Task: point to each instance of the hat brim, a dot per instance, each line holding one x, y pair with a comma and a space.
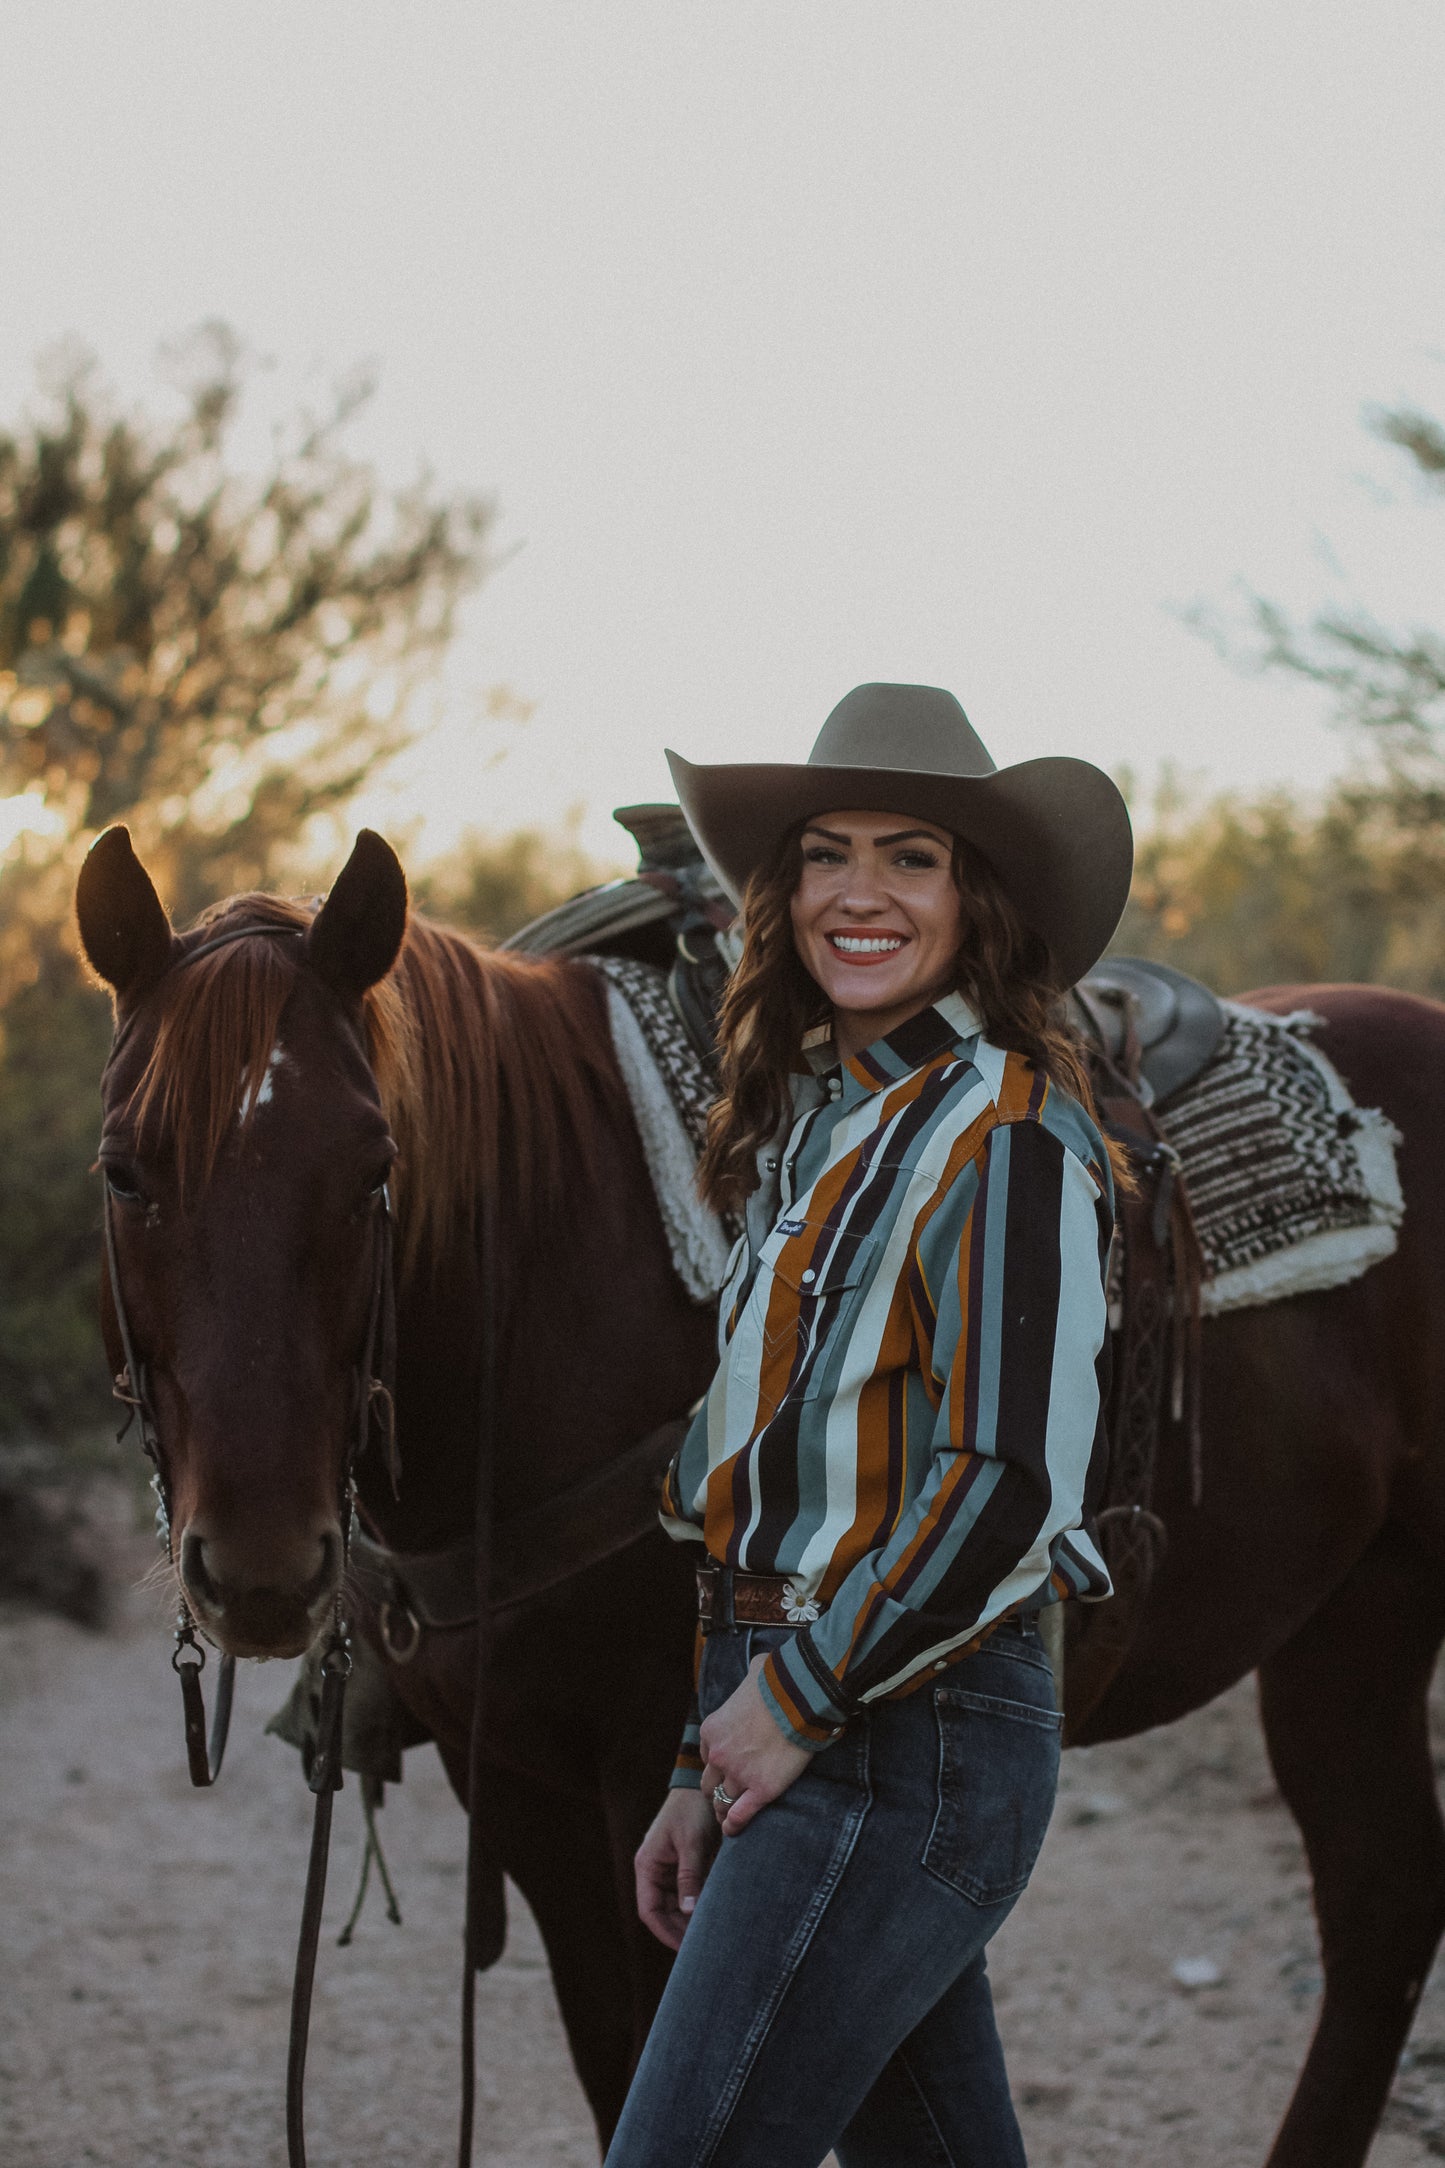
1055, 830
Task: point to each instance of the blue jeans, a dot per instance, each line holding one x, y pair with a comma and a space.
831, 1989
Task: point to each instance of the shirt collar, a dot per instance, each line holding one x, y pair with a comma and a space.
898, 1053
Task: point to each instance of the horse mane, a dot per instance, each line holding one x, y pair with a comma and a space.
494, 1070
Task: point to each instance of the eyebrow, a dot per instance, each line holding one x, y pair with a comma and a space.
901, 835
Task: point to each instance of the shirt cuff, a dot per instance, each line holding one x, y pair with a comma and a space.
687, 1771
801, 1696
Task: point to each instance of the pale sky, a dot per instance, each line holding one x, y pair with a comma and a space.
799, 344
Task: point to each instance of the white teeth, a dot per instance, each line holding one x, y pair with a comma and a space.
862, 944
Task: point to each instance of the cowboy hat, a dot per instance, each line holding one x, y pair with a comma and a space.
1056, 831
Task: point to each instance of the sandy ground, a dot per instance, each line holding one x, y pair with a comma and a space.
147, 1935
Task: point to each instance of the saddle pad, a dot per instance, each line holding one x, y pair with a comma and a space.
1292, 1186
670, 1091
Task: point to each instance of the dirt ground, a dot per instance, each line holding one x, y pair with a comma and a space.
147, 1935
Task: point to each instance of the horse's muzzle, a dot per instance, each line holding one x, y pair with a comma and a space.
267, 1606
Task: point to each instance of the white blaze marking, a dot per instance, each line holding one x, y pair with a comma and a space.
267, 1089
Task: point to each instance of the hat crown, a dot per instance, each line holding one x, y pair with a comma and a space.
909, 727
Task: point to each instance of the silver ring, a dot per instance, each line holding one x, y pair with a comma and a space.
723, 1799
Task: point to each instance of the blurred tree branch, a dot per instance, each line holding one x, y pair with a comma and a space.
213, 658
1278, 890
1389, 685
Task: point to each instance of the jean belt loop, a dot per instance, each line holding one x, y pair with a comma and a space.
725, 1614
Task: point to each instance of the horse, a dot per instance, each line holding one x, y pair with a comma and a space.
274, 1070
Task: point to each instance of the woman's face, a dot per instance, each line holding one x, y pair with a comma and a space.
877, 919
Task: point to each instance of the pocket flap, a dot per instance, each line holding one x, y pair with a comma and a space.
814, 1259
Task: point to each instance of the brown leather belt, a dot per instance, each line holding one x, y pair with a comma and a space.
727, 1598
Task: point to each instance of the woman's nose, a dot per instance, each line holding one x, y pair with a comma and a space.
862, 896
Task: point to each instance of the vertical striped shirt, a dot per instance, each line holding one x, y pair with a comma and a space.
908, 1417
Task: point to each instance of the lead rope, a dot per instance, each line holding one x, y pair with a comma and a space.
325, 1781
324, 1775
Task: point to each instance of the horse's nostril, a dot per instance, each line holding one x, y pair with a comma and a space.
328, 1573
193, 1568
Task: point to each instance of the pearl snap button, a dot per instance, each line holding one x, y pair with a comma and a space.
941, 1665
809, 1275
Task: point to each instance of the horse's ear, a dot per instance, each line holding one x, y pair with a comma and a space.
123, 926
355, 936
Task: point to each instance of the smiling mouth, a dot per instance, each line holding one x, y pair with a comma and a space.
866, 948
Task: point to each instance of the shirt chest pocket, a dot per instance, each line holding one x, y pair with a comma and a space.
811, 1284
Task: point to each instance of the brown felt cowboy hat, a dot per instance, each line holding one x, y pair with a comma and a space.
1056, 831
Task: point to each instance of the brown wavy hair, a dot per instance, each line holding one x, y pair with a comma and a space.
771, 1000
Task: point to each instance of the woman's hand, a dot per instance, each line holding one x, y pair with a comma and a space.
745, 1752
671, 1863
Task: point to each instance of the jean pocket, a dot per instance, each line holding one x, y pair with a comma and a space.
998, 1768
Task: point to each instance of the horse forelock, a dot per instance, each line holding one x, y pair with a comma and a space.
218, 1027
493, 1070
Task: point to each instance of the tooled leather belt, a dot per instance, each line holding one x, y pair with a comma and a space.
727, 1598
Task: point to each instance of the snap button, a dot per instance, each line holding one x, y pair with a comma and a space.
941, 1665
809, 1275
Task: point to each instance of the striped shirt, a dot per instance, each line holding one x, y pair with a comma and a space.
908, 1417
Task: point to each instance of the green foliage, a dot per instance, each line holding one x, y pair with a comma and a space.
52, 1374
1269, 893
216, 659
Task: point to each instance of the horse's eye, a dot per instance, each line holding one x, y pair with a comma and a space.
123, 1182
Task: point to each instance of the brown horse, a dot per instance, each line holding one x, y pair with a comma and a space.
246, 1142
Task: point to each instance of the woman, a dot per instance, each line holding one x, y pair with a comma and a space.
894, 1469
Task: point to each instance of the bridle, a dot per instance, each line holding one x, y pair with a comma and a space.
373, 1378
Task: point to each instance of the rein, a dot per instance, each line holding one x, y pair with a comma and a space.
482, 1943
373, 1380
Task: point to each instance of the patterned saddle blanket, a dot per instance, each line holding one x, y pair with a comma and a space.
670, 1089
1292, 1186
